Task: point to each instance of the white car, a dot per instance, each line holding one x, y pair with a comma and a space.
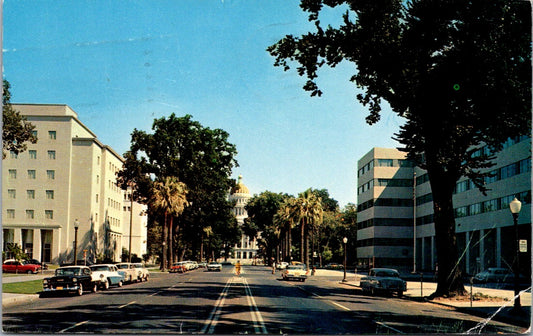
142, 272
107, 274
214, 266
282, 265
129, 270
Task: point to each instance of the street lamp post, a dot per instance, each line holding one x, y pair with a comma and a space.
515, 207
76, 226
344, 240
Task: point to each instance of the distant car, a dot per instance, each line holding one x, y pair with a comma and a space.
178, 267
295, 272
282, 265
202, 264
334, 266
142, 272
36, 262
74, 279
214, 266
385, 280
20, 267
129, 270
494, 274
108, 275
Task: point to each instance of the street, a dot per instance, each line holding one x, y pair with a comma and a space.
256, 302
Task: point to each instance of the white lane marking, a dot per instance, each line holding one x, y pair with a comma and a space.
127, 304
74, 326
389, 327
321, 298
212, 321
339, 305
256, 315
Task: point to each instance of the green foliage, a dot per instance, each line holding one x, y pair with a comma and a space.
24, 287
16, 130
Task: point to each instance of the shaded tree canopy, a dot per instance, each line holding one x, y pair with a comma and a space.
16, 130
458, 71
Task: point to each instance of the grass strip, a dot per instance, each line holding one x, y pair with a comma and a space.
25, 287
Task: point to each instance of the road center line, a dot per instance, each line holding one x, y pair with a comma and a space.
256, 315
127, 304
339, 305
74, 326
212, 321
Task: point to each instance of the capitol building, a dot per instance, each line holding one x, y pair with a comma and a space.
246, 250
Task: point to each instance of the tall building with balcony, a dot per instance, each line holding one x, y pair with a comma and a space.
389, 236
66, 179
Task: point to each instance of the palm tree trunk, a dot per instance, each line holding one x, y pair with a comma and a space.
165, 238
170, 239
302, 241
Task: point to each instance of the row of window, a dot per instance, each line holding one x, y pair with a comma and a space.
33, 154
492, 205
384, 163
384, 222
244, 255
30, 194
385, 242
383, 182
31, 174
30, 214
389, 202
52, 135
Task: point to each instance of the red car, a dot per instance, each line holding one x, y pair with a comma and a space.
178, 267
18, 267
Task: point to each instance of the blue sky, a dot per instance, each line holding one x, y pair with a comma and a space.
120, 64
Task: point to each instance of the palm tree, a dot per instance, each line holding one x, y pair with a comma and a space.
170, 197
308, 210
285, 220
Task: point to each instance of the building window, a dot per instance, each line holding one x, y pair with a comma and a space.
11, 213
11, 193
52, 135
30, 194
52, 154
385, 163
96, 198
30, 214
51, 174
49, 194
49, 214
13, 155
12, 174
33, 154
31, 174
34, 133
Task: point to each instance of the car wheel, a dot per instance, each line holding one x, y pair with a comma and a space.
119, 283
29, 272
80, 290
400, 294
95, 288
106, 284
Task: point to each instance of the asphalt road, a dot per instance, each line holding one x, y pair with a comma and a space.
256, 302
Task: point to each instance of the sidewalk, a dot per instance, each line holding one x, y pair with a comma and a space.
9, 299
498, 307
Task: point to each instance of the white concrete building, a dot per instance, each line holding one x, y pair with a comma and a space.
484, 225
246, 249
67, 177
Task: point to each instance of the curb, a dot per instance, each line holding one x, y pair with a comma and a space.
17, 299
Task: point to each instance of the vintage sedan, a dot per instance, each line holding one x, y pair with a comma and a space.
178, 267
142, 272
20, 267
108, 275
214, 266
129, 270
386, 280
295, 272
70, 279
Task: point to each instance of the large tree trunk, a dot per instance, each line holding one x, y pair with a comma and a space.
165, 239
449, 277
170, 239
302, 241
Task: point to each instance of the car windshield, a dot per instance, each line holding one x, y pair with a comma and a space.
68, 271
389, 274
99, 268
123, 266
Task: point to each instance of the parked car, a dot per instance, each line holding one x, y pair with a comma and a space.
129, 270
214, 266
74, 279
494, 274
295, 272
36, 262
178, 267
142, 272
385, 280
203, 264
282, 265
20, 267
108, 275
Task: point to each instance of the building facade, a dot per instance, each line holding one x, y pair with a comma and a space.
66, 179
245, 251
484, 225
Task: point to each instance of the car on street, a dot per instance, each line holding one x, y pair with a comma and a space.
108, 275
129, 270
494, 274
16, 266
282, 265
36, 262
214, 266
385, 280
178, 267
142, 272
295, 272
70, 279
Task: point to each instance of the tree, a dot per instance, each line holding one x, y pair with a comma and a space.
16, 130
308, 211
458, 71
170, 196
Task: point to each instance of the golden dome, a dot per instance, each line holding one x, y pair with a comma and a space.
240, 188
